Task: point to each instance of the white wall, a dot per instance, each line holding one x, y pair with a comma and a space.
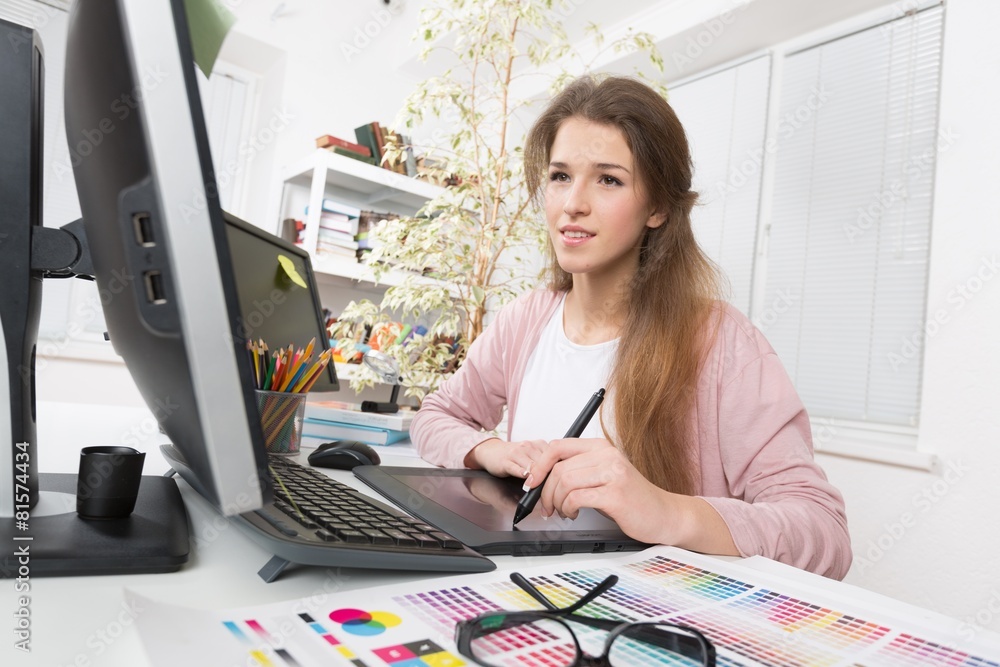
934, 538
930, 538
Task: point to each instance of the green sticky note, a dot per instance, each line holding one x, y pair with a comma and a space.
208, 22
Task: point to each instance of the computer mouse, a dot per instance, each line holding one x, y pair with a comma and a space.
343, 455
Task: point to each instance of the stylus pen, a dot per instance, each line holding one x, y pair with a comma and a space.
529, 499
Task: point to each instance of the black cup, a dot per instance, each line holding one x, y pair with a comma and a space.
108, 482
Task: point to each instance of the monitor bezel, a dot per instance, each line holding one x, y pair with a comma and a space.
196, 324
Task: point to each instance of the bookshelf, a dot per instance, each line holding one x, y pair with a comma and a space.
326, 174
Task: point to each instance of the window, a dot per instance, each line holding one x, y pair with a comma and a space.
724, 116
844, 168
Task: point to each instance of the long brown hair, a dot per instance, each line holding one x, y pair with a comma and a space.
667, 327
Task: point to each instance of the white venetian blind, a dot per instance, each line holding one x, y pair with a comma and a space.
724, 115
850, 225
224, 100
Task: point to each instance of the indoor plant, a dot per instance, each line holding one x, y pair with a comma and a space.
478, 244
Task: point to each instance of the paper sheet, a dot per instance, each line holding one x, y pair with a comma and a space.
754, 618
208, 22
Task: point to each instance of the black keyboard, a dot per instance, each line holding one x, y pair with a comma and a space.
315, 520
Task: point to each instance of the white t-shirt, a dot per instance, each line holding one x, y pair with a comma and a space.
560, 378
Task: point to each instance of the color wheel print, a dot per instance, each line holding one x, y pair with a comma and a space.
364, 623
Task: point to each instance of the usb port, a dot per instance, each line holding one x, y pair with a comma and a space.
154, 287
143, 224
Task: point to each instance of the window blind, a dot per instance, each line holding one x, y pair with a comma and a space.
224, 99
725, 116
851, 216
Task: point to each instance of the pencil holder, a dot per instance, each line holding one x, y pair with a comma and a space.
281, 415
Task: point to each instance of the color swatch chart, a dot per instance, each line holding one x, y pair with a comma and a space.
755, 618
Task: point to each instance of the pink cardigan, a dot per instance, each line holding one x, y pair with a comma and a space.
754, 441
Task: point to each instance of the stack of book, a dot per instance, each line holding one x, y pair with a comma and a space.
334, 420
338, 229
344, 230
375, 137
346, 148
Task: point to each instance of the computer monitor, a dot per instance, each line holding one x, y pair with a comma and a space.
21, 87
159, 241
183, 285
276, 288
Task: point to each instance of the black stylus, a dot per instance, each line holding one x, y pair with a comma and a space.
529, 499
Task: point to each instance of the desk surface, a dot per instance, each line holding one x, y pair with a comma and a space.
84, 621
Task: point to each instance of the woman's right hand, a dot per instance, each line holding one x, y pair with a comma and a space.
505, 459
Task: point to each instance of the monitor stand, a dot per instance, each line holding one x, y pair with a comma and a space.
154, 538
38, 519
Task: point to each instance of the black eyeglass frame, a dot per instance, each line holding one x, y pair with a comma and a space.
689, 642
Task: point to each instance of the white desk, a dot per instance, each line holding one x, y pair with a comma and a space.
83, 621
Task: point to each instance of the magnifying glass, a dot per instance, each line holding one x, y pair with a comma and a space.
387, 368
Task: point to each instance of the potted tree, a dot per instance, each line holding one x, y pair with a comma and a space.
478, 244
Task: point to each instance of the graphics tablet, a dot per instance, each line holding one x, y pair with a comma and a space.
478, 510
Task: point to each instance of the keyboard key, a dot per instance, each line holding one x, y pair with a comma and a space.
401, 538
447, 541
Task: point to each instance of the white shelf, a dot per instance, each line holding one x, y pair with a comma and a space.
324, 174
375, 186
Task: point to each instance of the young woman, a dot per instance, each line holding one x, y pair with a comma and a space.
702, 442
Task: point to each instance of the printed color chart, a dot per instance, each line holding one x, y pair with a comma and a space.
754, 618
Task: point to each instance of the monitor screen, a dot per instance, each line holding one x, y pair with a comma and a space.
276, 288
162, 256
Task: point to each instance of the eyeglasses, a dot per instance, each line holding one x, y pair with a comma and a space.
488, 638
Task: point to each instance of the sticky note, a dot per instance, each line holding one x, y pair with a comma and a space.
288, 266
208, 22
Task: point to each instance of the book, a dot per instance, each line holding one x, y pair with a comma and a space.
366, 222
345, 239
365, 134
328, 237
335, 250
329, 141
411, 160
399, 166
338, 222
379, 142
339, 411
351, 154
334, 206
319, 429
